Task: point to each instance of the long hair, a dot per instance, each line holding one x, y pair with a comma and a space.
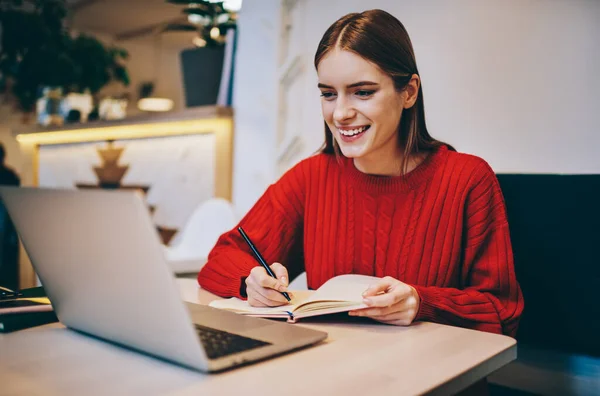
380, 38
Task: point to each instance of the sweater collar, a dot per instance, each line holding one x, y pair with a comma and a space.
390, 184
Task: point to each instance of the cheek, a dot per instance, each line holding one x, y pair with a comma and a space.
327, 108
386, 113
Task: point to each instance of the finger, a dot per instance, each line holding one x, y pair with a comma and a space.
403, 318
256, 294
269, 296
395, 294
393, 297
261, 278
371, 312
398, 318
256, 300
273, 296
268, 282
381, 286
280, 272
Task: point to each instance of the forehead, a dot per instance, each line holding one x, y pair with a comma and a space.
345, 67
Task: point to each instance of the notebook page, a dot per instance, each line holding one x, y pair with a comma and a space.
343, 288
241, 306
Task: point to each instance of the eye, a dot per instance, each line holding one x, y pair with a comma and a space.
328, 95
363, 93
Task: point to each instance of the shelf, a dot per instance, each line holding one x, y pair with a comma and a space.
206, 119
194, 113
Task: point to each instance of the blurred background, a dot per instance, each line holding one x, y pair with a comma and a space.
200, 105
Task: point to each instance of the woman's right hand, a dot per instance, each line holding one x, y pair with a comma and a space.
264, 290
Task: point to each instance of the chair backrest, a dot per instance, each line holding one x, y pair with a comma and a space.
554, 223
210, 219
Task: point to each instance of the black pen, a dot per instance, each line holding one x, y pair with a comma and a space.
260, 259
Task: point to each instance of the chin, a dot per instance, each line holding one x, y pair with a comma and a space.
351, 151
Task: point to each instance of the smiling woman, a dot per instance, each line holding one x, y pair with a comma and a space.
365, 84
382, 198
362, 110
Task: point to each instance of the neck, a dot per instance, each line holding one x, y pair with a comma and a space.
387, 161
384, 161
379, 164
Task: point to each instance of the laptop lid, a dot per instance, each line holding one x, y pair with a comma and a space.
100, 260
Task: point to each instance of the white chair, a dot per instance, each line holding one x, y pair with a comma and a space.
199, 235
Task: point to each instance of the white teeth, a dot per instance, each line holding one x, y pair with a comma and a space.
352, 132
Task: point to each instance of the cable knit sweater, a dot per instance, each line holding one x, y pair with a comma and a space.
442, 229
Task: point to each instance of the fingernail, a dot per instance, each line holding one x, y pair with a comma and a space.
367, 301
284, 280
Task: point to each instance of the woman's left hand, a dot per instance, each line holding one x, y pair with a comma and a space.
390, 301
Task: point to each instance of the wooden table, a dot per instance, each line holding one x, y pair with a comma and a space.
359, 357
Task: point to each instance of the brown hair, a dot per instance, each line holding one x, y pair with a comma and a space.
380, 38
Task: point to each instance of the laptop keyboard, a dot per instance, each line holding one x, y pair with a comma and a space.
218, 343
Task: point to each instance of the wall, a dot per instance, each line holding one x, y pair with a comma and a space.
151, 58
512, 81
255, 101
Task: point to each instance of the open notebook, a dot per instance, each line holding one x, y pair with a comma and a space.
339, 294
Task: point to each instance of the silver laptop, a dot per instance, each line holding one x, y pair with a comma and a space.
100, 261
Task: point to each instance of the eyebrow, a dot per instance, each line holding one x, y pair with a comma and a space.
357, 84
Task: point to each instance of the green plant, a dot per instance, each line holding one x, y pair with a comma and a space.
204, 16
95, 65
32, 48
36, 50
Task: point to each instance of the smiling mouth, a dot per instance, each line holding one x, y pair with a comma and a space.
353, 132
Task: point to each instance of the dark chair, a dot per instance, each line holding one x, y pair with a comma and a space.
555, 232
554, 223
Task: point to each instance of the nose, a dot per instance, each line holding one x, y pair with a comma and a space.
343, 110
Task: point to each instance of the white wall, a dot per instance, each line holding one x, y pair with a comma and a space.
255, 101
151, 58
515, 82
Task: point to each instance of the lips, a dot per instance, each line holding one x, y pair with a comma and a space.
349, 134
353, 131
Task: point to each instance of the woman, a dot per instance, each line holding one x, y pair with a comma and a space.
383, 198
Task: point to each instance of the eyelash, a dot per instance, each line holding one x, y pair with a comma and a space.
363, 93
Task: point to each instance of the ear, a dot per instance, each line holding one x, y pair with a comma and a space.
412, 91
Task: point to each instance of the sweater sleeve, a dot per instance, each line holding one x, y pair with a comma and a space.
274, 224
490, 299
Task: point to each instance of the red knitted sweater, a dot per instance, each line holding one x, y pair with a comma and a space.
441, 228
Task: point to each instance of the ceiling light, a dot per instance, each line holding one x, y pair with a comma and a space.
230, 5
198, 19
222, 18
199, 41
